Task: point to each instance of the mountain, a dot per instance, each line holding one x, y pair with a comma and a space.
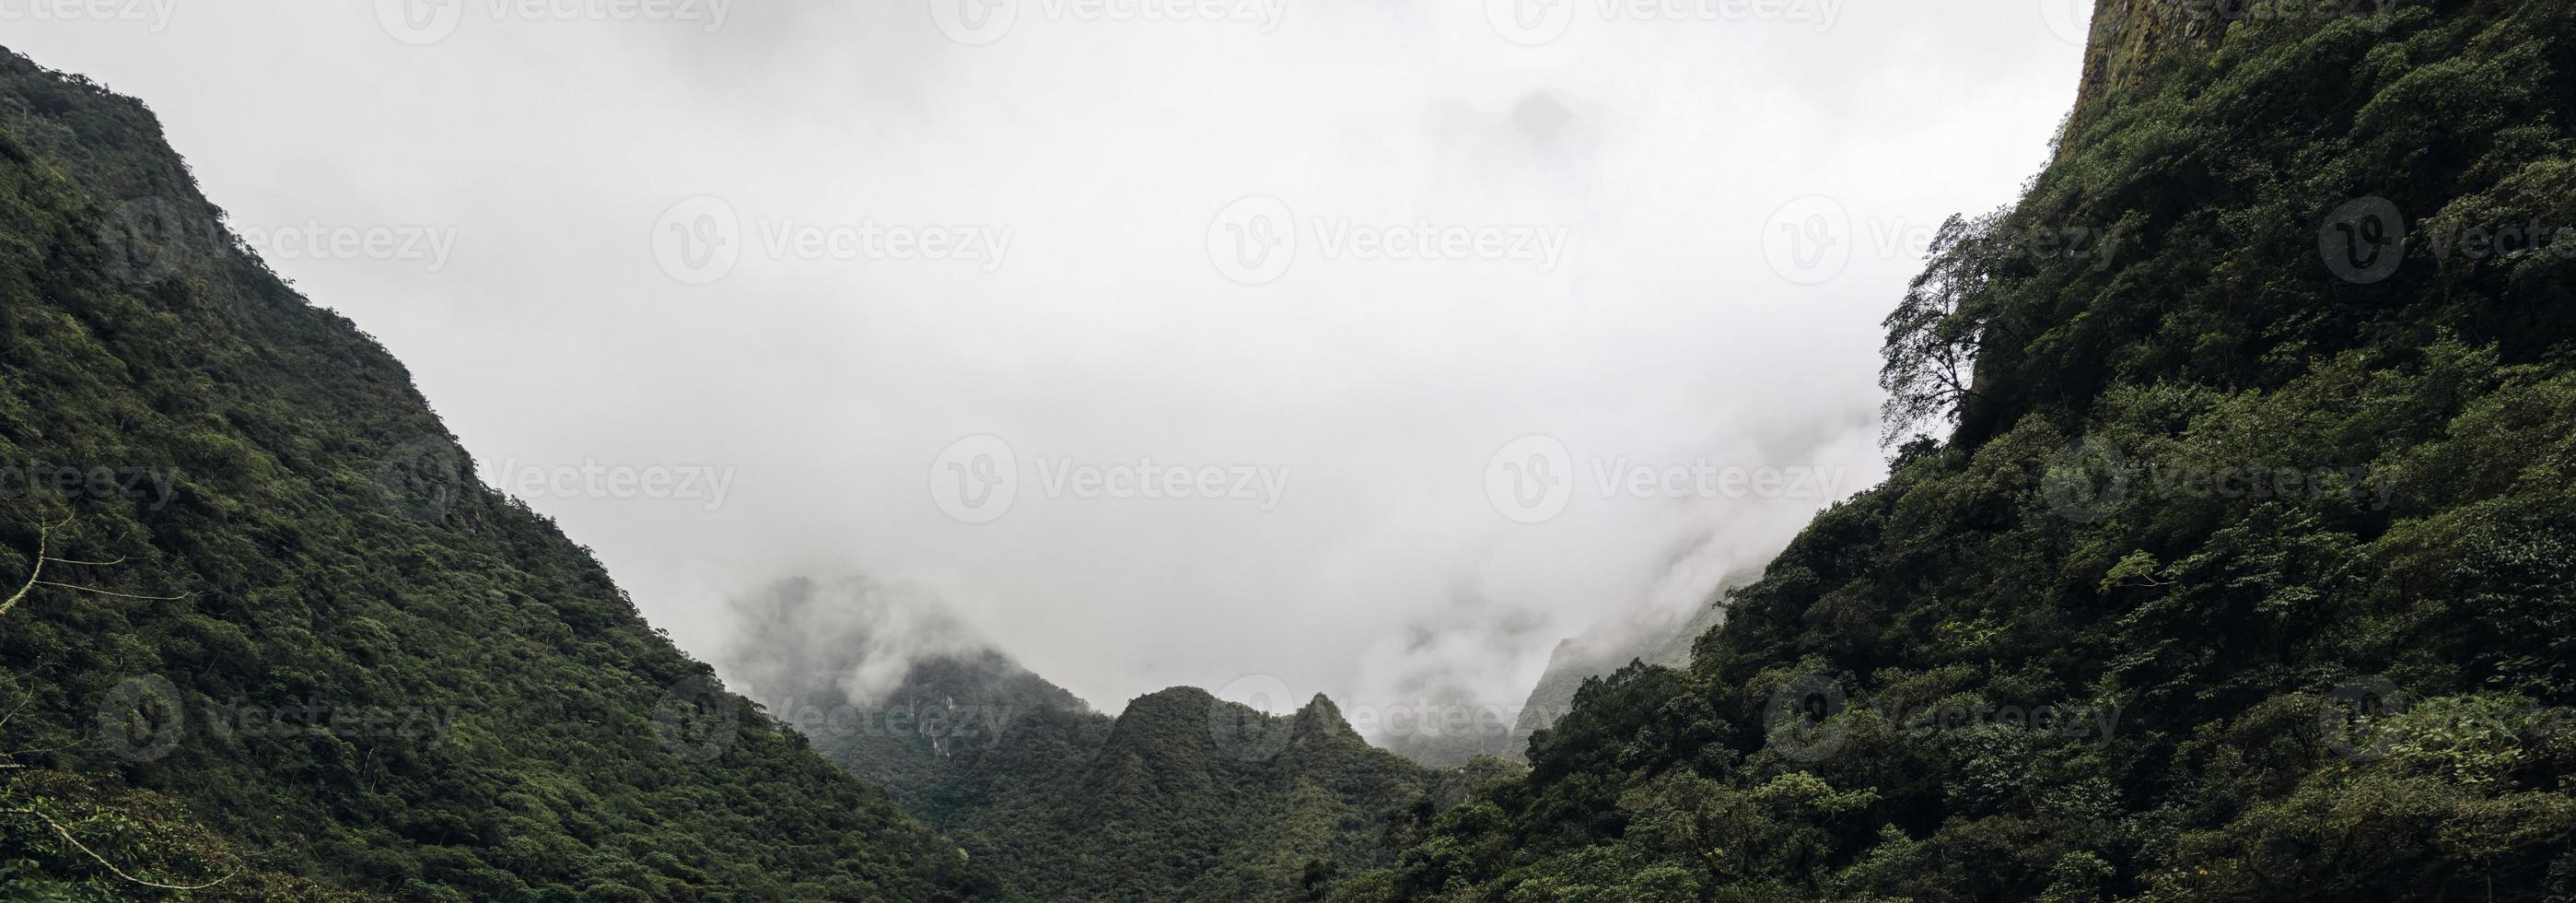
265, 630
2229, 552
883, 680
1182, 796
1186, 797
1655, 638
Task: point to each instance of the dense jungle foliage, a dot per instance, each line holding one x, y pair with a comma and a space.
2231, 556
284, 642
1182, 796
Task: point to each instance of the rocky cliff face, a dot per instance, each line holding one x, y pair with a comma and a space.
2131, 36
2128, 35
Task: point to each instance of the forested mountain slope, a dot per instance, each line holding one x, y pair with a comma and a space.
1181, 797
1184, 797
1581, 659
883, 680
2246, 566
287, 633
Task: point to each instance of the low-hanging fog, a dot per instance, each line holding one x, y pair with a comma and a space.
1661, 239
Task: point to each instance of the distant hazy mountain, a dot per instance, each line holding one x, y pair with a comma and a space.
1182, 796
883, 680
1187, 797
1658, 638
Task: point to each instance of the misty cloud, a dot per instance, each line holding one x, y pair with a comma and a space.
1664, 333
854, 635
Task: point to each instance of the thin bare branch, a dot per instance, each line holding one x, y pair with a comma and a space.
102, 860
43, 535
92, 589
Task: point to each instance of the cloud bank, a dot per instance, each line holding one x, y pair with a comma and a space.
1532, 315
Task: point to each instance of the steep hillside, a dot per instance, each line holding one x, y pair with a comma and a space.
1601, 653
2246, 569
1182, 797
1185, 797
264, 623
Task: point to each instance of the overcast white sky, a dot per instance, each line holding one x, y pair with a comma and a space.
1621, 264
